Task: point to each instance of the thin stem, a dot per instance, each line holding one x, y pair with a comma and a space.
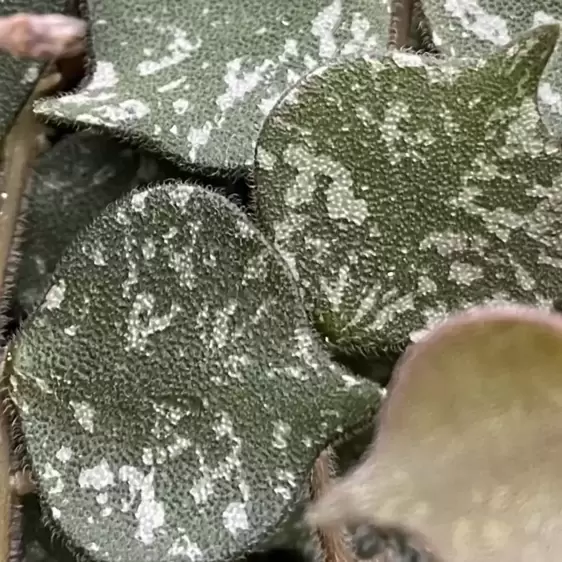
332, 541
20, 150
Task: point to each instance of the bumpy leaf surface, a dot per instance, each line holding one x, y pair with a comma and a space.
468, 446
469, 28
197, 78
173, 396
19, 76
401, 189
72, 183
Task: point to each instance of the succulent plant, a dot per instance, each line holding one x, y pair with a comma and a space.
221, 224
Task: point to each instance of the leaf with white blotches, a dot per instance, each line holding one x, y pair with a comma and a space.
467, 450
173, 398
391, 212
198, 85
72, 183
468, 28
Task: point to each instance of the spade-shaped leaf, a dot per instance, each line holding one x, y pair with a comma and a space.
400, 189
197, 78
172, 395
476, 28
71, 184
468, 446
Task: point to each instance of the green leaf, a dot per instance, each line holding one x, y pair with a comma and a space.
476, 28
467, 451
173, 397
393, 212
195, 79
19, 76
72, 183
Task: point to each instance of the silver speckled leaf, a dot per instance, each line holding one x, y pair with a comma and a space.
172, 394
468, 450
71, 184
197, 78
404, 188
473, 28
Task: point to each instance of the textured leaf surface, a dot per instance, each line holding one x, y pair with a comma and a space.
469, 28
201, 81
468, 449
392, 212
173, 397
18, 75
72, 183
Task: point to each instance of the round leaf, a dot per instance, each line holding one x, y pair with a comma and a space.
173, 397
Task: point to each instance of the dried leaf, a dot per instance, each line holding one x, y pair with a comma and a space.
42, 36
467, 452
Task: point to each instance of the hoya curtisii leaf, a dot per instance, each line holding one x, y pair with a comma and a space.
467, 451
468, 28
72, 183
173, 397
195, 79
392, 212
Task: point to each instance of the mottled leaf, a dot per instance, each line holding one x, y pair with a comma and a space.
391, 211
173, 397
469, 28
467, 451
197, 78
71, 184
20, 75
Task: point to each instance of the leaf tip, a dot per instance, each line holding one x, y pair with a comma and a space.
525, 58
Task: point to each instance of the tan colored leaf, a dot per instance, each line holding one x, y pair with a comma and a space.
468, 450
42, 36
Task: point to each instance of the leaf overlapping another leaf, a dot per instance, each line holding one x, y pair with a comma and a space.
475, 29
71, 184
199, 83
393, 212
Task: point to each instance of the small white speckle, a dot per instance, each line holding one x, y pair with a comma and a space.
64, 454
55, 296
323, 27
281, 431
150, 513
98, 478
235, 518
84, 415
138, 201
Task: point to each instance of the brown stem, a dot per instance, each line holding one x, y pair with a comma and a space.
332, 541
42, 36
21, 147
5, 495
